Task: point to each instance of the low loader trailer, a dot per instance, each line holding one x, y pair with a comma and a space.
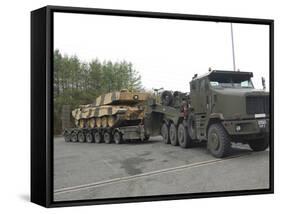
106, 135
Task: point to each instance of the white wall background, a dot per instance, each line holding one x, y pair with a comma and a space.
15, 106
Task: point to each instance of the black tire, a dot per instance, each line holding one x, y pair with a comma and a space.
97, 137
74, 137
218, 141
89, 138
165, 133
191, 126
173, 134
117, 137
166, 98
177, 93
67, 137
146, 138
183, 137
107, 137
81, 137
259, 144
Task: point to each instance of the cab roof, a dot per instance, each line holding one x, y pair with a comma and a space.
222, 72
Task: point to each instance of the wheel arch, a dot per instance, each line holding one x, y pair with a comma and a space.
212, 121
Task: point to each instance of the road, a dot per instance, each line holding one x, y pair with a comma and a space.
94, 171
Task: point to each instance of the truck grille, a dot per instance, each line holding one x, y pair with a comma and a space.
257, 104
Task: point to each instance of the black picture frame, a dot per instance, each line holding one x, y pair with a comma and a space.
42, 103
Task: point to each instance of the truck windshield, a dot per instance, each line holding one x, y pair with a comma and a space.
231, 82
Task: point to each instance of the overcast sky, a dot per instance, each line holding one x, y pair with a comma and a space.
166, 53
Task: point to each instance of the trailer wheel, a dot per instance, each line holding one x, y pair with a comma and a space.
165, 133
81, 137
97, 137
183, 137
218, 141
146, 138
166, 98
117, 137
259, 144
173, 135
89, 138
67, 137
107, 137
74, 137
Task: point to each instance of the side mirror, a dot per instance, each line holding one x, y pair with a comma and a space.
263, 83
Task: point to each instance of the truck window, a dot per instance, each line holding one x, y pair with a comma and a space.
246, 84
231, 81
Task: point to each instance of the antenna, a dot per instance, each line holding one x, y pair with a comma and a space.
232, 41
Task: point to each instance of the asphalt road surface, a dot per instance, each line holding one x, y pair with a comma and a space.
94, 171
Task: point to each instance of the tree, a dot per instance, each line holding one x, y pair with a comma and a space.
77, 82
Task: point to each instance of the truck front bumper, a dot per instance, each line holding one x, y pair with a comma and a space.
254, 127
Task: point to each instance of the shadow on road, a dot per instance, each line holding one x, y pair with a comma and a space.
139, 142
239, 151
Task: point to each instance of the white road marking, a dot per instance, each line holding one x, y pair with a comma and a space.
127, 178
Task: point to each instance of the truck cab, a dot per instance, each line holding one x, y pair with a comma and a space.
225, 106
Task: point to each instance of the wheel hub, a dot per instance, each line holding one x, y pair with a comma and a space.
107, 138
97, 137
214, 141
116, 137
89, 137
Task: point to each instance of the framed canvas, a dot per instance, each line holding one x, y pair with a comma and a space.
133, 106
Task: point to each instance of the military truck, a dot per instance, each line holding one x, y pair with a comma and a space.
221, 107
115, 116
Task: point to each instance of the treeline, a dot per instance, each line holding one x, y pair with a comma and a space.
77, 82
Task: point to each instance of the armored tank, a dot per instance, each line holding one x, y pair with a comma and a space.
108, 115
111, 110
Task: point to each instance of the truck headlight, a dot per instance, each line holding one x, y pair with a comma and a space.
238, 128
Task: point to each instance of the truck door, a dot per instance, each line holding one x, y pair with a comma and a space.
194, 95
202, 99
208, 97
